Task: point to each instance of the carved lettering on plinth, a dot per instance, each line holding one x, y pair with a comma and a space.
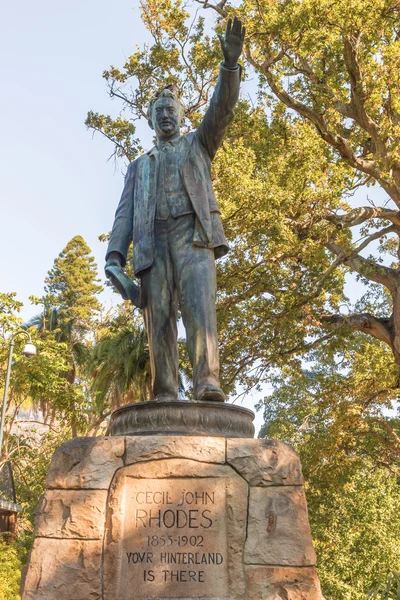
174, 541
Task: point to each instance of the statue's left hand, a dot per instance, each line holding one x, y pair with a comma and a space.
232, 43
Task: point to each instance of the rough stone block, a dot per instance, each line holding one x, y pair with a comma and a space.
86, 463
165, 517
64, 569
71, 514
203, 449
282, 583
278, 528
264, 462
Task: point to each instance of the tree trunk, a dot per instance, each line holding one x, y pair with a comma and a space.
395, 327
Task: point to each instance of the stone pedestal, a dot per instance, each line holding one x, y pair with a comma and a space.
164, 517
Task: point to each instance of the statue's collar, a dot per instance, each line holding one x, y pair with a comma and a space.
176, 140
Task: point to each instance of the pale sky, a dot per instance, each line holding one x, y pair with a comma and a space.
55, 178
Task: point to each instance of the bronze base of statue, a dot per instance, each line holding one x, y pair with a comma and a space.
182, 418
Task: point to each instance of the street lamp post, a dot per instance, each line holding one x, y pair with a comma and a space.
28, 350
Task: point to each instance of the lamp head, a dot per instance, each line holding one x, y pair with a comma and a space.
29, 350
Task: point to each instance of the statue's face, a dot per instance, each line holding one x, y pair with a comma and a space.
166, 117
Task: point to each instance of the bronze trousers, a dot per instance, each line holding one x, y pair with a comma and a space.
181, 276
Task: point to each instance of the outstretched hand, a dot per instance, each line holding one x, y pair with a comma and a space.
232, 43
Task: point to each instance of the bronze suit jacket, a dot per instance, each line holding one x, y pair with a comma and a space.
134, 218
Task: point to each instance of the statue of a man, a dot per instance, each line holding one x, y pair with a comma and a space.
168, 208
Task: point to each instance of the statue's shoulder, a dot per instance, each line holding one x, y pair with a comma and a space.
189, 138
186, 141
141, 158
134, 164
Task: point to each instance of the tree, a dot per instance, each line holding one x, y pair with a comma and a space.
70, 306
334, 410
72, 286
119, 364
337, 67
356, 532
35, 382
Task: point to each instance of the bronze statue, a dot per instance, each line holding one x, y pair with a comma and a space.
168, 208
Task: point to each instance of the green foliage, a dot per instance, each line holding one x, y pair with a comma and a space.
10, 572
71, 287
335, 413
277, 282
356, 528
9, 309
31, 451
119, 364
70, 308
387, 590
324, 122
336, 65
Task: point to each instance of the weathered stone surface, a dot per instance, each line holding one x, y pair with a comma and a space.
265, 462
86, 463
172, 525
64, 570
182, 536
278, 528
148, 447
282, 583
71, 514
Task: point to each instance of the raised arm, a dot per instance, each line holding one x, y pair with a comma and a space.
219, 114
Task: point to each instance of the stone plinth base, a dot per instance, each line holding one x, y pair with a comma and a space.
167, 517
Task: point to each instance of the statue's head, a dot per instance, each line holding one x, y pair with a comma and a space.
165, 113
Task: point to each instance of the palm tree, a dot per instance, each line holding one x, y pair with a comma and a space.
119, 367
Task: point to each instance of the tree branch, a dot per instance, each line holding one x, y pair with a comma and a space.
335, 140
219, 8
362, 214
344, 109
375, 236
358, 95
376, 395
388, 428
369, 167
367, 268
365, 322
117, 144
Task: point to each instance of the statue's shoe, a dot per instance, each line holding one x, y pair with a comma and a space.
210, 393
166, 398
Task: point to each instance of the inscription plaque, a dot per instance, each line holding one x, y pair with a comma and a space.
175, 538
175, 529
